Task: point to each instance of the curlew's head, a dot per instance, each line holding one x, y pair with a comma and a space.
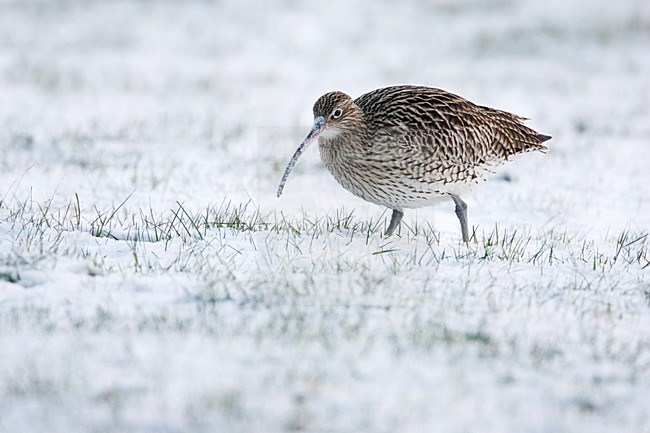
335, 113
338, 112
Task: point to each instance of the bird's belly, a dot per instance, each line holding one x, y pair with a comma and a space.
392, 188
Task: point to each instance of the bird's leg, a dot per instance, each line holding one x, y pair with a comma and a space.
395, 219
461, 213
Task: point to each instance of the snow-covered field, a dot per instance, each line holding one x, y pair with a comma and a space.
150, 280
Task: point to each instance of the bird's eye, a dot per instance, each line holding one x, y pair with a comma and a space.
337, 113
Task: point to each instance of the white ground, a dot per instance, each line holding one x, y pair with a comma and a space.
150, 281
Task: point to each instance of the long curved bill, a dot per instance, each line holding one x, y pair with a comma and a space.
317, 128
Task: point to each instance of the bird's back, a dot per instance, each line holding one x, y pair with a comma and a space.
442, 136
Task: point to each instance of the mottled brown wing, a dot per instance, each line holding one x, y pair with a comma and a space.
434, 132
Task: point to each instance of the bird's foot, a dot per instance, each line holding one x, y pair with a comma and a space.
395, 219
461, 213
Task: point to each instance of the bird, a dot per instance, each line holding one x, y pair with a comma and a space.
410, 146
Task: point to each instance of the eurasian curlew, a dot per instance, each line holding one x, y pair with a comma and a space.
412, 146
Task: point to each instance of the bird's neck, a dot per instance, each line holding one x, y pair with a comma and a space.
339, 151
344, 141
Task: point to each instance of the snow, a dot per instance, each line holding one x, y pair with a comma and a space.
151, 280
